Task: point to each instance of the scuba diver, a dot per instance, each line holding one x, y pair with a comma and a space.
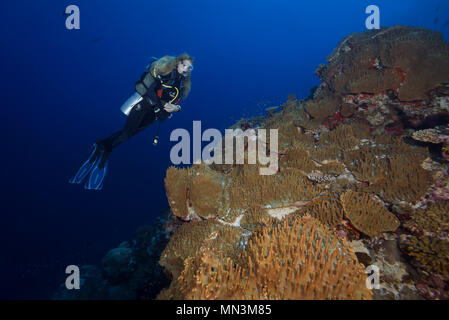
158, 91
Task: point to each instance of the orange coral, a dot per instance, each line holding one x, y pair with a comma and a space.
433, 220
366, 214
343, 137
323, 108
176, 186
404, 179
192, 236
299, 159
366, 163
295, 259
206, 195
327, 209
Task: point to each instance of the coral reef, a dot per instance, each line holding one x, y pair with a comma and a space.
327, 210
190, 237
128, 272
434, 220
362, 181
296, 259
411, 61
430, 252
358, 155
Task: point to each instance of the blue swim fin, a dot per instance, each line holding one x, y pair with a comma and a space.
85, 168
97, 175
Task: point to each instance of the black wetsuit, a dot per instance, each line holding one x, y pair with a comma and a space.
144, 113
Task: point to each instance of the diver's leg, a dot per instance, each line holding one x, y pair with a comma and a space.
132, 126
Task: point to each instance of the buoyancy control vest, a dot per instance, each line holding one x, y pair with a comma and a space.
168, 85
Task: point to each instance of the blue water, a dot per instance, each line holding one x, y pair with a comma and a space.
61, 89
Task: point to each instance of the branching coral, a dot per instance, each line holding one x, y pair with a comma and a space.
430, 252
191, 236
323, 153
342, 137
434, 220
293, 186
253, 218
333, 168
185, 243
327, 209
404, 180
366, 163
299, 159
366, 214
296, 259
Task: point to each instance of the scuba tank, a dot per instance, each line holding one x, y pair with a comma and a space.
136, 97
130, 103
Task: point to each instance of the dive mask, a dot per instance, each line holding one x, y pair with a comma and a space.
189, 68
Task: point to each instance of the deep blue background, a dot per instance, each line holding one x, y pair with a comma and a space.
61, 89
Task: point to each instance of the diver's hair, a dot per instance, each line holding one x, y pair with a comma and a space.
167, 64
187, 85
185, 56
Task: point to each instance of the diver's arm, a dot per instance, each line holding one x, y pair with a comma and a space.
151, 96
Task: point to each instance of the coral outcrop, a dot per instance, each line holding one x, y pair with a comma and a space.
363, 163
296, 259
412, 61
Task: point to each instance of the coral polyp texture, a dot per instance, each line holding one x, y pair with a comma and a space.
431, 253
368, 214
362, 164
296, 259
412, 60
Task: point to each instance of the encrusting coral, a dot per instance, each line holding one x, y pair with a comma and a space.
296, 259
